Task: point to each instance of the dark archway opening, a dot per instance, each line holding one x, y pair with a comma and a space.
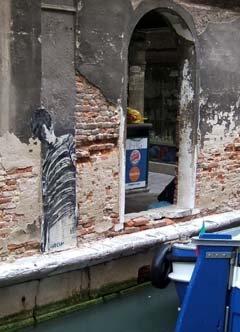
157, 53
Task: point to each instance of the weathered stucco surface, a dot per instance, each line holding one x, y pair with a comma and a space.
217, 170
187, 91
25, 73
20, 195
20, 68
219, 158
102, 45
101, 84
58, 68
205, 11
186, 172
4, 65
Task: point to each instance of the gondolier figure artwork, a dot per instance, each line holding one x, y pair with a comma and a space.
58, 184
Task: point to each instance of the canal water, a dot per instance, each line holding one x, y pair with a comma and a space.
145, 309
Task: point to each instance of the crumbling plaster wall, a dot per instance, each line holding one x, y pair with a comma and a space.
20, 198
217, 44
20, 65
58, 68
204, 11
219, 157
217, 24
4, 64
102, 47
38, 47
102, 53
97, 150
100, 59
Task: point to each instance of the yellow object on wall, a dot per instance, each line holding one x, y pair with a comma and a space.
133, 116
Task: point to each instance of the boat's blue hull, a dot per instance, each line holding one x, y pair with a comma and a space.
184, 257
207, 280
234, 312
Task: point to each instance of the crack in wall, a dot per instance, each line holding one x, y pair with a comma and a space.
34, 315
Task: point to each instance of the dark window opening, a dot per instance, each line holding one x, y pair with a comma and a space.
154, 91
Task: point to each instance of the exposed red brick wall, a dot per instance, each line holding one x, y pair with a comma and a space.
97, 149
97, 121
218, 178
15, 234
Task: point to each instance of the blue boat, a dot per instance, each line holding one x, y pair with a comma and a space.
206, 273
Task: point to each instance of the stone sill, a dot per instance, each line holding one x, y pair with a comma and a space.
171, 212
93, 253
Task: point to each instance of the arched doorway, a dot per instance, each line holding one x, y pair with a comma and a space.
162, 86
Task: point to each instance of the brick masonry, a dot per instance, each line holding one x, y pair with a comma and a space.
218, 177
97, 150
97, 124
19, 198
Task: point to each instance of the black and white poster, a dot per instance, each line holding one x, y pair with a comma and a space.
58, 184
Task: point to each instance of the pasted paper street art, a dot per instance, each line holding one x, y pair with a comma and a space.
58, 184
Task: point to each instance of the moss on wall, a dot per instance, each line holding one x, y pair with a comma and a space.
76, 303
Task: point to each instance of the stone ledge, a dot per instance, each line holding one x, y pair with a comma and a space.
93, 253
171, 211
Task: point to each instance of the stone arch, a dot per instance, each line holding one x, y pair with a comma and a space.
182, 22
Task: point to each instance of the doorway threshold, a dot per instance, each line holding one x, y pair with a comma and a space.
170, 211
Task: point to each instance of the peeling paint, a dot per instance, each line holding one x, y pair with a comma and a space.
80, 5
22, 33
187, 92
113, 46
186, 169
136, 3
223, 129
16, 155
5, 65
203, 99
121, 55
122, 162
78, 45
238, 102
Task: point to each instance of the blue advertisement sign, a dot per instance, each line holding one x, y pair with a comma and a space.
136, 162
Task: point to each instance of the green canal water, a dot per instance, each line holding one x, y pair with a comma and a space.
144, 309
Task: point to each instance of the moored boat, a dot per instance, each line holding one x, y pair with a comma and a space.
206, 273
